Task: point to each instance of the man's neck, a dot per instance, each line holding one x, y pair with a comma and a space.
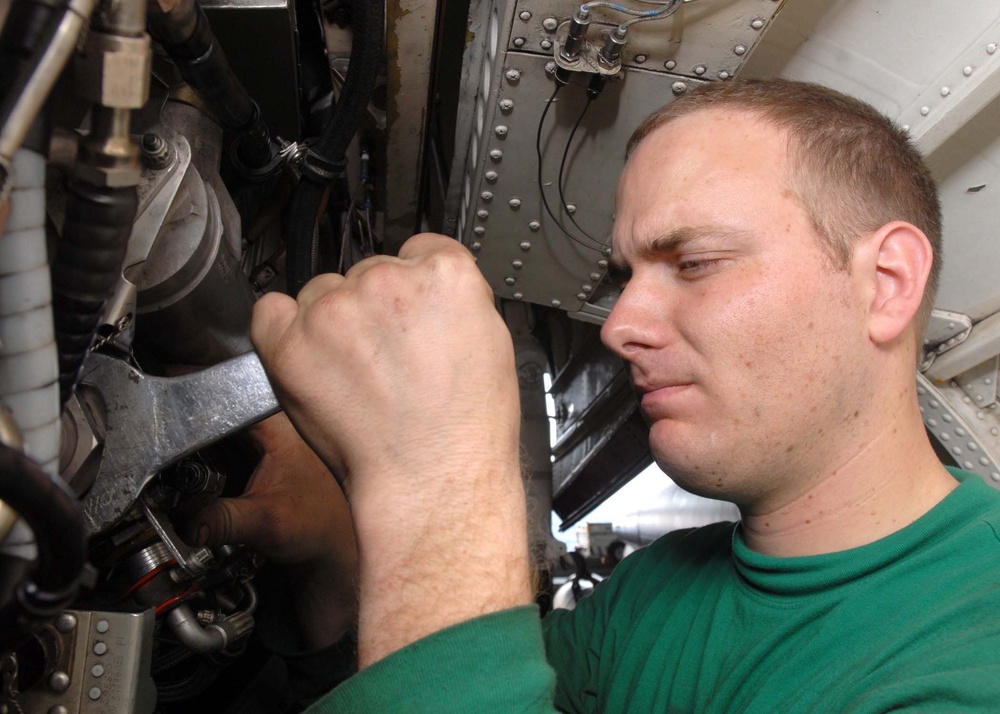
887, 484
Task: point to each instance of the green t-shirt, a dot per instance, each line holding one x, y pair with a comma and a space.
697, 622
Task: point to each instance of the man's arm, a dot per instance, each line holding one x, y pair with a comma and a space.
401, 377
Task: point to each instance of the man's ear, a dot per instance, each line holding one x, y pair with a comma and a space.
901, 256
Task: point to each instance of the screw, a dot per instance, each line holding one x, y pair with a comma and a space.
550, 67
496, 154
491, 176
506, 104
740, 49
545, 44
525, 16
517, 264
518, 42
512, 75
482, 214
514, 203
550, 24
534, 226
155, 151
486, 195
66, 623
757, 24
510, 280
699, 70
679, 87
525, 246
669, 64
501, 130
639, 59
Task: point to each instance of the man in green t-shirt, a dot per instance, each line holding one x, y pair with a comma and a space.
778, 248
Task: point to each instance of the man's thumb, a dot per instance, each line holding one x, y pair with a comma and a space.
222, 522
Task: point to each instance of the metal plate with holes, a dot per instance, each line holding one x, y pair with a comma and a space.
522, 252
702, 39
968, 429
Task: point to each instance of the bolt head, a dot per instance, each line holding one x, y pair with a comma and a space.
679, 87
500, 130
496, 154
514, 203
639, 59
550, 24
66, 623
506, 104
525, 16
59, 682
546, 44
518, 42
512, 75
669, 64
550, 67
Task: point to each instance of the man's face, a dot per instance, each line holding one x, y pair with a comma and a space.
748, 348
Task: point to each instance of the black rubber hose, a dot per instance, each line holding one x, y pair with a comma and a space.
366, 57
27, 22
186, 36
87, 268
51, 509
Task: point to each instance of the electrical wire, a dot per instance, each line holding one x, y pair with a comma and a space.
666, 11
541, 187
562, 168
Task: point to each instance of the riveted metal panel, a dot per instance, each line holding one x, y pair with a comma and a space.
701, 39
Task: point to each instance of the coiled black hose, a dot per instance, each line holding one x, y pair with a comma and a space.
50, 508
185, 34
86, 269
366, 56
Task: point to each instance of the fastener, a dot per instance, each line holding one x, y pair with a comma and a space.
525, 15
512, 75
550, 24
514, 203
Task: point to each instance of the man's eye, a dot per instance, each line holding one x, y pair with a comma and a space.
694, 267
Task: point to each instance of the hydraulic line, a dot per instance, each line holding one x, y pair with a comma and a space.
184, 32
325, 160
51, 509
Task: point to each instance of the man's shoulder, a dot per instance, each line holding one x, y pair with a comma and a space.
693, 545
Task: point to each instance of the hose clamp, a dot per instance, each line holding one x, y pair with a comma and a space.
321, 169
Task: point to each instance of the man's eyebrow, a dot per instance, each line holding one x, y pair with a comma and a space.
685, 237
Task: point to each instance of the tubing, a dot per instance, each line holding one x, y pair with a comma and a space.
52, 511
87, 269
366, 55
184, 32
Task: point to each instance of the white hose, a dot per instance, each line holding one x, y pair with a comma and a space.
29, 368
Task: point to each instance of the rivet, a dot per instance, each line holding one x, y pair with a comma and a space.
496, 154
979, 397
969, 465
924, 111
97, 670
991, 47
959, 431
512, 75
587, 288
100, 648
66, 623
956, 450
972, 446
966, 400
967, 70
987, 381
550, 24
699, 70
639, 59
669, 64
556, 303
102, 626
518, 296
517, 264
995, 476
606, 250
518, 42
932, 423
934, 404
679, 87
740, 49
94, 693
723, 74
570, 208
602, 264
59, 682
486, 195
921, 391
595, 276
506, 104
482, 214
946, 437
479, 230
525, 246
980, 415
581, 296
545, 44
906, 127
534, 226
525, 16
945, 91
510, 280
491, 176
946, 418
757, 24
514, 203
550, 67
57, 709
501, 130
995, 431
476, 246
984, 461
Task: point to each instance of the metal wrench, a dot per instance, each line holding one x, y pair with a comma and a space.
152, 422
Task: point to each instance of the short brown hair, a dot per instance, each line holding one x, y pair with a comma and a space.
853, 169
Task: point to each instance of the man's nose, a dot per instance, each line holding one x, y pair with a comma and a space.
631, 326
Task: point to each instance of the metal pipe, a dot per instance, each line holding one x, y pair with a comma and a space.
203, 640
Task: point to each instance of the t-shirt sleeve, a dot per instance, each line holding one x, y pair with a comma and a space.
494, 663
576, 640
